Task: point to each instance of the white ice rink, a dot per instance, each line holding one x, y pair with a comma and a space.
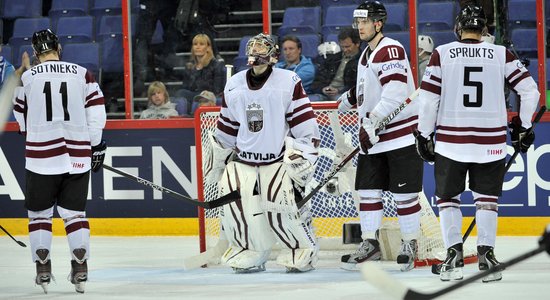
151, 268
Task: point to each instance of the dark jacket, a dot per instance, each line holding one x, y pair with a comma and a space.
326, 70
211, 77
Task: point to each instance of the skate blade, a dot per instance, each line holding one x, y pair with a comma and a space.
350, 266
44, 286
302, 270
249, 270
407, 266
454, 274
497, 276
79, 287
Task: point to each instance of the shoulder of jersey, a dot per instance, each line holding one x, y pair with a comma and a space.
283, 74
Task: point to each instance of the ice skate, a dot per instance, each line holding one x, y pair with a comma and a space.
254, 269
451, 269
407, 255
79, 275
487, 260
368, 250
43, 269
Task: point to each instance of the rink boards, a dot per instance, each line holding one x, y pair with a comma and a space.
164, 153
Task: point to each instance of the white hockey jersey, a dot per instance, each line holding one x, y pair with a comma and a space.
61, 111
255, 122
462, 95
384, 81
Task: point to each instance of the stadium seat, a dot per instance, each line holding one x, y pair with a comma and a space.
84, 54
522, 14
24, 48
111, 26
300, 20
111, 54
309, 44
240, 63
404, 38
441, 37
331, 37
75, 29
21, 9
106, 8
525, 41
67, 8
326, 3
534, 68
23, 30
6, 53
337, 17
397, 17
434, 16
242, 45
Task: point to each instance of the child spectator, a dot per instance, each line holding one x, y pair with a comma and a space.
160, 106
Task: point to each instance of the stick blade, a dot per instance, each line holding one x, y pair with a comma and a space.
373, 274
21, 244
211, 255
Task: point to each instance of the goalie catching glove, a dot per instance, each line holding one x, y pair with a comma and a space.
521, 138
217, 159
300, 155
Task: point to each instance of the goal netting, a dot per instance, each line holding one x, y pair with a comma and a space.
330, 212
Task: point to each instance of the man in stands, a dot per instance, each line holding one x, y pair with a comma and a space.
387, 160
61, 112
337, 72
296, 61
462, 99
265, 145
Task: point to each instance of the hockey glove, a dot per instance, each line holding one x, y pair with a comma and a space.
425, 146
521, 139
98, 155
217, 159
367, 133
299, 159
344, 104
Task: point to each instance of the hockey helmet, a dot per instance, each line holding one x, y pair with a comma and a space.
373, 10
425, 44
44, 41
471, 17
262, 49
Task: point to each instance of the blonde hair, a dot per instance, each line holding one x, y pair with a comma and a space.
155, 87
205, 60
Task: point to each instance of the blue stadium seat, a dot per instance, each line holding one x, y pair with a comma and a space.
240, 63
23, 30
111, 26
534, 68
309, 44
404, 38
337, 17
111, 54
242, 45
6, 53
67, 8
106, 8
21, 9
397, 17
331, 37
522, 14
84, 54
75, 29
525, 41
300, 20
24, 48
441, 37
326, 3
434, 16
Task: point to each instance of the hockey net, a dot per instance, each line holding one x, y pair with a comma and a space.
330, 212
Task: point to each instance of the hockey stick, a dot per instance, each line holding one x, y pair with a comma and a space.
18, 242
436, 268
225, 199
208, 256
382, 125
379, 278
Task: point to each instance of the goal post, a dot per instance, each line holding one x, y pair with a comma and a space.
329, 212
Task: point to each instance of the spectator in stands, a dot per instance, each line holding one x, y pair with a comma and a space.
150, 12
205, 98
295, 61
6, 69
337, 72
425, 48
159, 106
203, 72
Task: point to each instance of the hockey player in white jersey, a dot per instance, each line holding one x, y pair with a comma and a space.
462, 101
388, 160
268, 128
61, 112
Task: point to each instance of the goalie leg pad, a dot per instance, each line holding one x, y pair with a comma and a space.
244, 221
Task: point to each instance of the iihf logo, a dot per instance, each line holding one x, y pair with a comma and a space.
255, 117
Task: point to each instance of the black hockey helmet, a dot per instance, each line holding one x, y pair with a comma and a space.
373, 10
471, 17
44, 41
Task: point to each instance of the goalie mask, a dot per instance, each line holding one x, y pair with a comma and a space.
471, 18
44, 41
262, 49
